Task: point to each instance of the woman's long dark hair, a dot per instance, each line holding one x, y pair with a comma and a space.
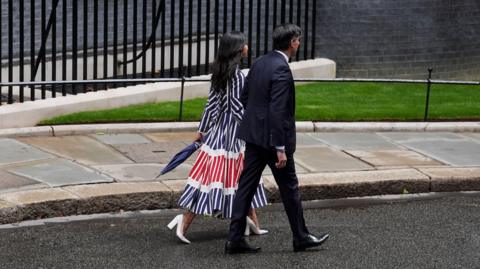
229, 55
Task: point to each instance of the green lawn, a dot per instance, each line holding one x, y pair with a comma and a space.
321, 102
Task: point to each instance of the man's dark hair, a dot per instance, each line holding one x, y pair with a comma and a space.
283, 34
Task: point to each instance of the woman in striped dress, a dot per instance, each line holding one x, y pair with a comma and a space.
212, 182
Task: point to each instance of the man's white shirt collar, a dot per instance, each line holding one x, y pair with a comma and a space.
283, 54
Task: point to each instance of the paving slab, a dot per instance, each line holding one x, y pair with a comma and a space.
360, 176
5, 204
177, 187
120, 139
453, 149
452, 172
13, 151
37, 196
172, 137
393, 157
43, 203
452, 152
9, 181
100, 198
307, 140
298, 168
389, 167
322, 159
453, 179
420, 136
355, 141
143, 172
362, 183
125, 128
369, 126
59, 172
107, 189
82, 149
154, 152
474, 136
27, 131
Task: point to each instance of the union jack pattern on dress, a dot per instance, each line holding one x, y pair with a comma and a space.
212, 182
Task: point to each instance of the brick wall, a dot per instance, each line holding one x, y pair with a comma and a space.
391, 38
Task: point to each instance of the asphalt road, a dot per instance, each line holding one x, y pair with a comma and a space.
443, 232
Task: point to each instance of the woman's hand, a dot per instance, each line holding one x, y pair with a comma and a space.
198, 138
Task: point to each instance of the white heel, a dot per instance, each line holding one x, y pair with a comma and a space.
178, 221
174, 222
252, 227
247, 229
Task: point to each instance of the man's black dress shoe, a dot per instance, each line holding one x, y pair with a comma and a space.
309, 242
240, 247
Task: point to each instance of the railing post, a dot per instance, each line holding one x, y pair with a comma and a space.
10, 51
427, 101
1, 95
180, 114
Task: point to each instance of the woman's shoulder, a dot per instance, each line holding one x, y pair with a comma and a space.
239, 73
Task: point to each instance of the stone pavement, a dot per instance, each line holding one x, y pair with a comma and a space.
87, 170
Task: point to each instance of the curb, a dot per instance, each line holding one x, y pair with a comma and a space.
302, 126
111, 197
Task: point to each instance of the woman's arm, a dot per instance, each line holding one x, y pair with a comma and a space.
238, 86
209, 112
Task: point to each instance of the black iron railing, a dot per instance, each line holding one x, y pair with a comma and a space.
427, 82
109, 39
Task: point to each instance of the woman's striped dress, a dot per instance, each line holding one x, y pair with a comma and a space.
212, 182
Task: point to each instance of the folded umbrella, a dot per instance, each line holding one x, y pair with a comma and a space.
180, 157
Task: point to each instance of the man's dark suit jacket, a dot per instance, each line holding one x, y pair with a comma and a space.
269, 102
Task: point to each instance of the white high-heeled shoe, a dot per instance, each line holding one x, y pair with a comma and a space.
178, 221
252, 227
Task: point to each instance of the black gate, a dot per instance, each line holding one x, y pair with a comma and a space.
62, 40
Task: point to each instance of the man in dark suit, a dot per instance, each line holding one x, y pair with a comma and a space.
268, 128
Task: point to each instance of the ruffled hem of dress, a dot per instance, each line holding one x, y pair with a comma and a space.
216, 202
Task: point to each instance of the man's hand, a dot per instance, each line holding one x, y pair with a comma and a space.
198, 138
282, 159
